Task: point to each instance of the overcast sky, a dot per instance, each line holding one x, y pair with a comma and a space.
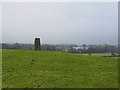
60, 23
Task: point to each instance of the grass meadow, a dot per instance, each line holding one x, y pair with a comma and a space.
50, 69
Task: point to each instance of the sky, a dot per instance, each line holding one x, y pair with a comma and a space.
60, 22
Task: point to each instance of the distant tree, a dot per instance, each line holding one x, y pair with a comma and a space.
113, 54
90, 50
48, 47
5, 46
84, 48
84, 45
17, 46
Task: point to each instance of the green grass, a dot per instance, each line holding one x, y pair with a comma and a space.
50, 69
0, 68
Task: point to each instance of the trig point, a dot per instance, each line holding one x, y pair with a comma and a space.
37, 45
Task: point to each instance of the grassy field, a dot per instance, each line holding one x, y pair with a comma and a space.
101, 54
49, 69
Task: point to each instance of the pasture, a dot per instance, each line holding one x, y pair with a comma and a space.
50, 69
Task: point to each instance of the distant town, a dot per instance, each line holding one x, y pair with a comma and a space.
71, 48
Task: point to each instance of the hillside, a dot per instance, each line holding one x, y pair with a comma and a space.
50, 69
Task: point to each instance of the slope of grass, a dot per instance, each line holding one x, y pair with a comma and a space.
49, 69
0, 68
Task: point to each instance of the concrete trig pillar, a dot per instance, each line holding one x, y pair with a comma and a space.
37, 45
